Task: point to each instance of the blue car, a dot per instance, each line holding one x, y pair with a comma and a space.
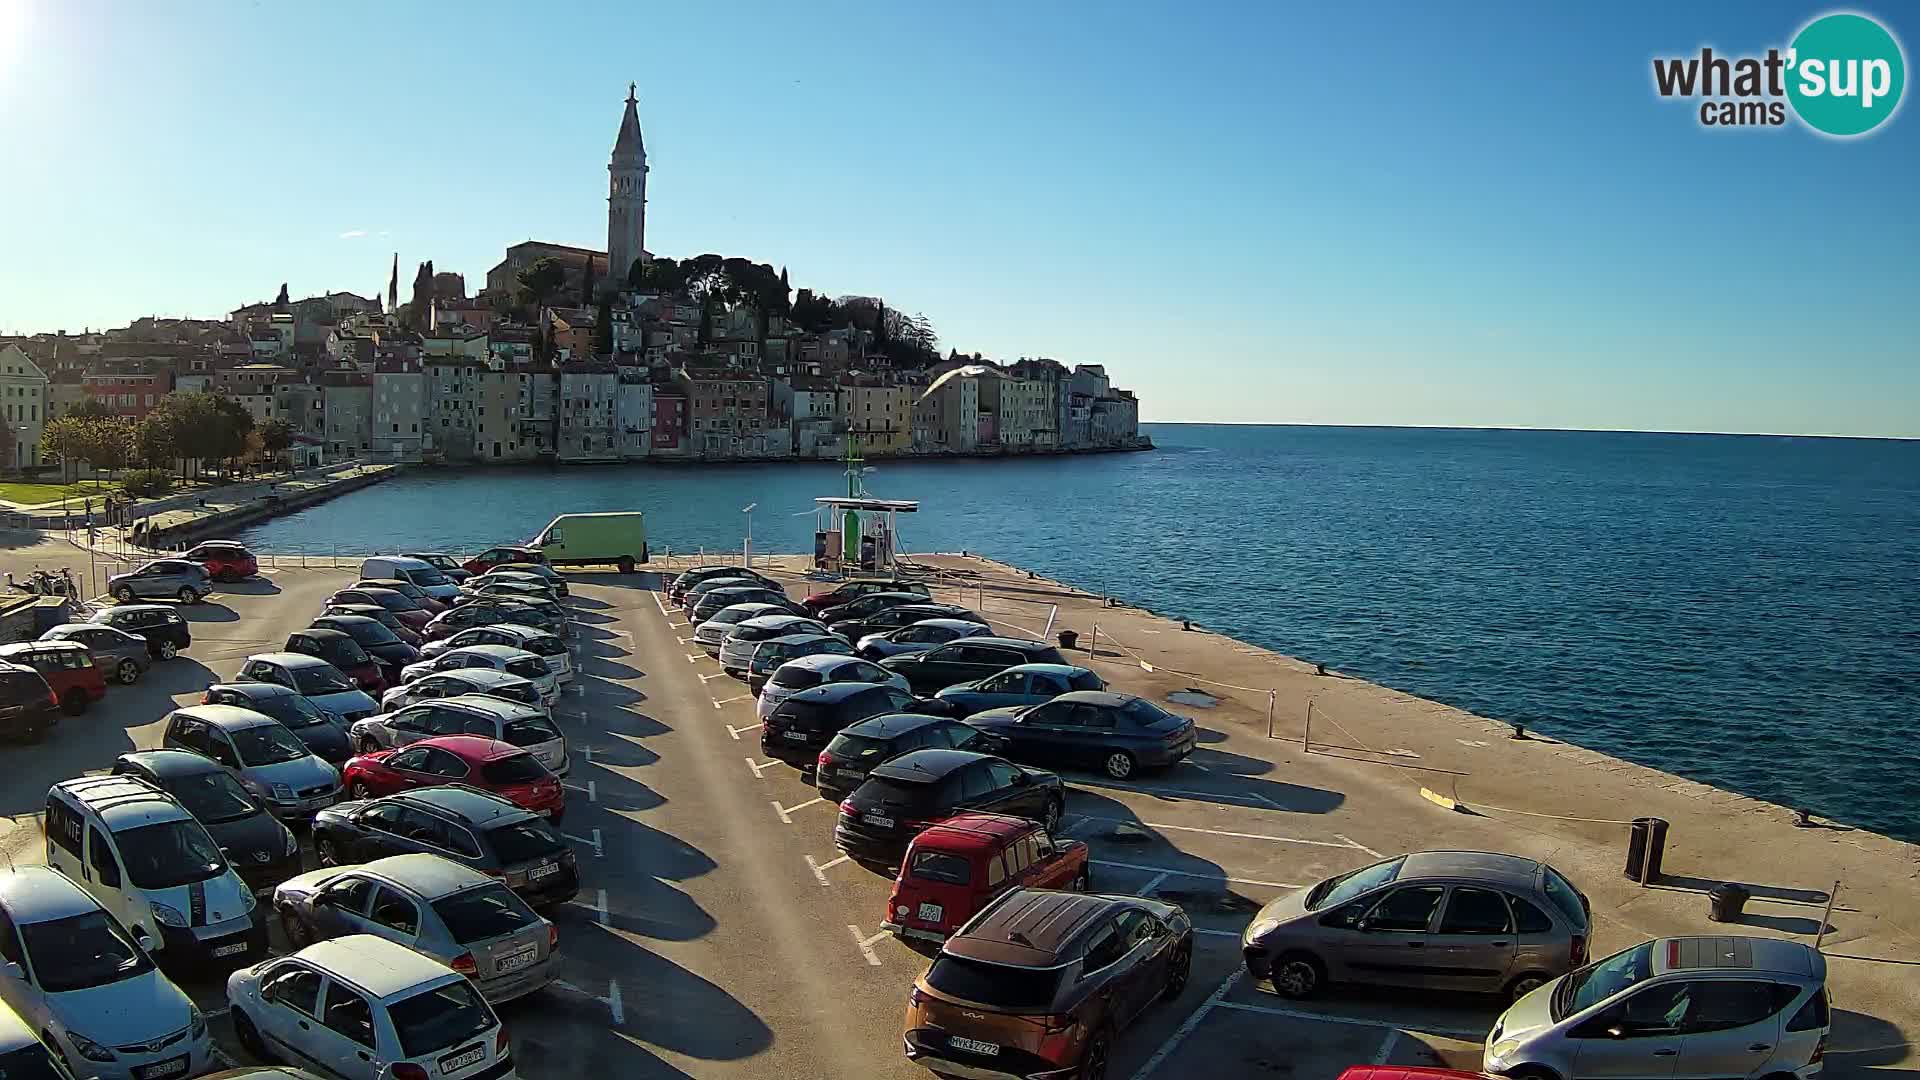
1117, 734
1025, 684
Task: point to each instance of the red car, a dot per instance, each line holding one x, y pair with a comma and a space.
956, 867
474, 760
67, 667
499, 556
404, 609
225, 560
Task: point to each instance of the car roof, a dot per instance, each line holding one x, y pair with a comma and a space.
327, 632
927, 765
1733, 953
123, 802
68, 627
796, 639
474, 805
1106, 699
407, 561
256, 690
776, 618
343, 618
431, 876
480, 676
725, 591
889, 725
172, 763
747, 609
471, 747
502, 652
975, 832
1514, 870
1029, 927
20, 647
290, 659
903, 595
104, 614
820, 660
943, 623
219, 543
1050, 669
34, 893
505, 710
831, 692
375, 965
1023, 644
516, 629
225, 717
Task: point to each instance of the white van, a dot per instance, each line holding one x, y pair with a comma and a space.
153, 866
406, 568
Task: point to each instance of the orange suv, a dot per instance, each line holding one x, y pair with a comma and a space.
1038, 985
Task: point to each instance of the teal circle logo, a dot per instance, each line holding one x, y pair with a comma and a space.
1846, 74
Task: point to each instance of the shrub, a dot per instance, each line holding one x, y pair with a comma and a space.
146, 483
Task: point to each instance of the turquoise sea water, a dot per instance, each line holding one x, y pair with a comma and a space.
1740, 610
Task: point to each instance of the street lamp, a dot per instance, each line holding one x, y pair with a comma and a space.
746, 546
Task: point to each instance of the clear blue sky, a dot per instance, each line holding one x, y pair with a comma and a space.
1353, 213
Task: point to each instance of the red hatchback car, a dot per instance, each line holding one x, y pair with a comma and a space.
956, 867
225, 560
499, 556
67, 667
473, 760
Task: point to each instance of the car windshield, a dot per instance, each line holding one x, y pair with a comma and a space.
343, 652
320, 680
807, 716
907, 796
169, 855
1352, 883
856, 747
545, 645
529, 667
290, 709
439, 1019
1566, 898
1086, 680
30, 1062
213, 797
1602, 979
80, 951
267, 744
371, 633
425, 576
517, 769
1002, 986
530, 731
394, 601
524, 841
1144, 713
795, 678
490, 911
943, 867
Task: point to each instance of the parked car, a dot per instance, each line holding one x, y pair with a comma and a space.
343, 652
851, 754
1692, 1006
522, 725
469, 826
713, 631
711, 603
22, 1053
443, 562
909, 793
323, 733
487, 682
434, 906
313, 678
957, 867
407, 634
738, 579
968, 660
617, 537
506, 553
686, 580
1022, 684
381, 643
800, 727
503, 575
166, 633
1117, 734
739, 645
400, 604
848, 591
1442, 920
902, 615
225, 560
474, 760
115, 651
545, 645
419, 573
555, 580
28, 706
171, 579
363, 1007
495, 657
505, 588
489, 611
72, 972
867, 604
774, 652
261, 850
67, 667
917, 636
428, 603
822, 669
262, 754
1042, 983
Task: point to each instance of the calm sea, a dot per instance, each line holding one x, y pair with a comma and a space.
1739, 610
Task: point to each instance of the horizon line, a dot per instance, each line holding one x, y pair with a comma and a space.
1524, 427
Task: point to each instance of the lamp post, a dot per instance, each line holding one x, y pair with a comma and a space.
746, 546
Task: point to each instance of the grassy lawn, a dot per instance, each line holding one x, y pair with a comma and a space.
35, 494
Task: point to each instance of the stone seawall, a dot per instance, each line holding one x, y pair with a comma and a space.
187, 524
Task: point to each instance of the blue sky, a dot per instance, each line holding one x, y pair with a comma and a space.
1350, 214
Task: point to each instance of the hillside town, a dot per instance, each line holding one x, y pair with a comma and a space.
571, 355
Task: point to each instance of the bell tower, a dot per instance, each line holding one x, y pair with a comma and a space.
626, 196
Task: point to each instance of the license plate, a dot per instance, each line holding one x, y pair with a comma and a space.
796, 736
545, 813
171, 1067
974, 1046
234, 949
523, 958
930, 913
543, 870
457, 1062
876, 819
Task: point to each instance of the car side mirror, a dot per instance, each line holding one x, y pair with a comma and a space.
1616, 1032
142, 938
12, 970
1363, 924
1022, 780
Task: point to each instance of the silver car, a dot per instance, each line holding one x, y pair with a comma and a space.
738, 646
122, 656
524, 726
268, 760
505, 658
1442, 920
710, 634
162, 579
1690, 1006
544, 644
313, 678
477, 680
464, 919
918, 637
819, 669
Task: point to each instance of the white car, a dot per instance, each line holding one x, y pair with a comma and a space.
544, 644
362, 1007
710, 634
72, 971
507, 658
524, 726
819, 669
736, 651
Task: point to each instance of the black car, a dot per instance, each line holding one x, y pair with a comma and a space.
472, 827
866, 605
260, 849
338, 648
1117, 734
317, 729
27, 705
166, 632
913, 791
380, 642
487, 612
802, 725
688, 579
899, 615
853, 753
388, 619
711, 602
968, 659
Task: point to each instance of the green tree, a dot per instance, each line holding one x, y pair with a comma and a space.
587, 282
603, 327
541, 279
276, 436
8, 441
156, 442
659, 275
280, 302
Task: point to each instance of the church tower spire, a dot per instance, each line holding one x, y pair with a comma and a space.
627, 195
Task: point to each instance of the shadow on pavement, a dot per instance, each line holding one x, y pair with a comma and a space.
259, 586
208, 611
1861, 1042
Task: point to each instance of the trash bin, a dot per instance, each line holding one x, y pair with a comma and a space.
1646, 844
1726, 902
1068, 639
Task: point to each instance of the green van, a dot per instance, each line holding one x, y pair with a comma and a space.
618, 537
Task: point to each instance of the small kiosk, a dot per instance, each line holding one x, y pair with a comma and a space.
855, 533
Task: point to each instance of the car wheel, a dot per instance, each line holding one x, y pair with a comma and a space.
324, 850
1522, 985
1182, 966
186, 596
1539, 1072
124, 594
1051, 816
168, 650
1093, 1061
1119, 765
299, 934
1083, 883
626, 564
1298, 975
249, 1037
128, 672
73, 702
368, 744
359, 790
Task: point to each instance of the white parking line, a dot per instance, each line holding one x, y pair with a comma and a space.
613, 1003
692, 659
784, 811
599, 905
713, 676
676, 625
1361, 847
598, 851
683, 641
820, 868
759, 767
728, 701
593, 792
1188, 794
1186, 1026
661, 606
1154, 883
1381, 1055
1356, 1021
1164, 873
224, 1059
866, 946
735, 731
1234, 835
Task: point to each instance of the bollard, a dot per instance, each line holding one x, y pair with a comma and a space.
1726, 901
1646, 845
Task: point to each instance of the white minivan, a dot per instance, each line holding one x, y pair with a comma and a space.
154, 867
421, 573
